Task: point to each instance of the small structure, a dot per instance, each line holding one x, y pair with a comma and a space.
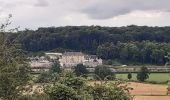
92, 61
54, 56
39, 64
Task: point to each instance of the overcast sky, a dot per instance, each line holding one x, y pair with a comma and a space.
45, 13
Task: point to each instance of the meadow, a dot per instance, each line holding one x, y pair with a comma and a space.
153, 77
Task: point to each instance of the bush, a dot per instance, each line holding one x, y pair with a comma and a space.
103, 72
43, 77
110, 92
61, 92
129, 76
80, 69
70, 87
143, 74
34, 97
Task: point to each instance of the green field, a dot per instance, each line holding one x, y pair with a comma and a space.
153, 77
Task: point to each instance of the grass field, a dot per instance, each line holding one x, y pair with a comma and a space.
153, 77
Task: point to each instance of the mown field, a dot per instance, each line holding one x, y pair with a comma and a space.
153, 77
145, 91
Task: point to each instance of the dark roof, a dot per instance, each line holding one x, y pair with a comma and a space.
73, 54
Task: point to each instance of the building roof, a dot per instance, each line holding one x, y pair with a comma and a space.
73, 54
53, 53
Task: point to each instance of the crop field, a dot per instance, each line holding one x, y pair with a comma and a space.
147, 89
151, 98
153, 77
143, 91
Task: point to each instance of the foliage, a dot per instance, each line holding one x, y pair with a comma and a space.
69, 79
129, 76
51, 75
41, 96
44, 77
111, 91
61, 92
68, 87
55, 68
143, 74
80, 69
103, 72
168, 59
133, 43
14, 71
143, 52
71, 87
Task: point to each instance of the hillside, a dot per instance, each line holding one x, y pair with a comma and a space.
133, 43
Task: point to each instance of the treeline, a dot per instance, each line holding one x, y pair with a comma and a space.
90, 39
143, 52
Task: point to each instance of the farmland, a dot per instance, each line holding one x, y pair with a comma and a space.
143, 91
153, 77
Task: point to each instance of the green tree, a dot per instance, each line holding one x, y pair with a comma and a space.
80, 69
143, 74
168, 59
111, 91
103, 72
35, 96
71, 87
68, 87
44, 77
61, 92
14, 71
55, 68
129, 76
51, 75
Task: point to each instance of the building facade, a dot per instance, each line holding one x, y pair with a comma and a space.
67, 61
39, 64
70, 59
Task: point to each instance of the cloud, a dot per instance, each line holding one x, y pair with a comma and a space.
45, 13
104, 9
41, 3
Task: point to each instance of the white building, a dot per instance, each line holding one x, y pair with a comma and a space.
70, 59
54, 56
67, 61
92, 61
39, 64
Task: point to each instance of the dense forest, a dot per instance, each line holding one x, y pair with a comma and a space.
133, 43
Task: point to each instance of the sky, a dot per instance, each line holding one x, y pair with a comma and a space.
32, 14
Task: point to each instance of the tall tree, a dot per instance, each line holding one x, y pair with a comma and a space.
129, 76
143, 74
68, 87
168, 59
80, 69
55, 68
14, 72
103, 72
